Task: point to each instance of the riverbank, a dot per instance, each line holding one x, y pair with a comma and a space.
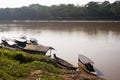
18, 65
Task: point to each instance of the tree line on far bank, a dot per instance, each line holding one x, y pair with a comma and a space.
90, 11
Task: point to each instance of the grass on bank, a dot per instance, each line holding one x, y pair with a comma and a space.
18, 65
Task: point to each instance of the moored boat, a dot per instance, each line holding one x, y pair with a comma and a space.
27, 45
33, 41
64, 64
86, 65
9, 43
21, 41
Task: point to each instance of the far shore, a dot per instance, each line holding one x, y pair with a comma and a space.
6, 21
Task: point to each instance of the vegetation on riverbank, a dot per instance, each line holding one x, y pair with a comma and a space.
91, 11
18, 65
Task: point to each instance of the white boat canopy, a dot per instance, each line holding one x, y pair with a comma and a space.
21, 38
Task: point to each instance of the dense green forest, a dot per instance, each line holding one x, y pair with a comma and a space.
90, 11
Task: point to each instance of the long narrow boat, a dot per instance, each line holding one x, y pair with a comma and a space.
86, 65
64, 64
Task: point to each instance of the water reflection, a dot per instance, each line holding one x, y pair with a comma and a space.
91, 28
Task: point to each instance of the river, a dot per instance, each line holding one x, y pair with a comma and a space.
98, 40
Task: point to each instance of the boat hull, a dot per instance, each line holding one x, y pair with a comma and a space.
82, 68
64, 64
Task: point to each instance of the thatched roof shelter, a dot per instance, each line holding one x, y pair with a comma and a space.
40, 49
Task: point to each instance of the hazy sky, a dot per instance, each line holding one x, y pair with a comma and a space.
19, 3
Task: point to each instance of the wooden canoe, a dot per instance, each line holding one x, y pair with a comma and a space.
64, 64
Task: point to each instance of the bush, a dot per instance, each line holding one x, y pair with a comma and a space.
20, 58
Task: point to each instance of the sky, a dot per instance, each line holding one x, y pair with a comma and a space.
20, 3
